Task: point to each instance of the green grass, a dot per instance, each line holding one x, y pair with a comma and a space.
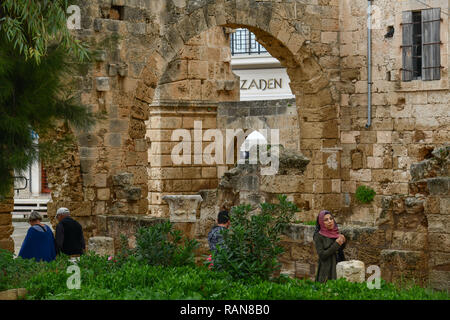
129, 279
308, 223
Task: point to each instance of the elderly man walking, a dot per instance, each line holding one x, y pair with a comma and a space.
69, 234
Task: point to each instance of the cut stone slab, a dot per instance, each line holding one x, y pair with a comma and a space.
123, 179
103, 84
353, 270
13, 294
101, 245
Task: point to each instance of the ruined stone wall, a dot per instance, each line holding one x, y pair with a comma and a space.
409, 119
201, 71
151, 53
193, 83
6, 228
138, 48
408, 242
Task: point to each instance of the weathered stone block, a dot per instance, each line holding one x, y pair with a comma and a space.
103, 246
6, 230
102, 84
198, 69
357, 160
113, 140
13, 294
81, 209
439, 280
87, 165
6, 218
409, 240
7, 244
445, 205
103, 194
439, 186
99, 55
129, 193
123, 179
353, 270
282, 184
439, 241
288, 268
402, 259
183, 208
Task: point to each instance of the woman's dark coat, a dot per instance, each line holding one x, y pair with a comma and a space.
327, 249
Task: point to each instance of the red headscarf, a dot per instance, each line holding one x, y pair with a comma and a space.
333, 233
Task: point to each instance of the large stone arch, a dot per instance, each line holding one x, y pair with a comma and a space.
125, 72
305, 56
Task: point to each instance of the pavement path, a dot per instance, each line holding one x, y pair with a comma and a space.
20, 231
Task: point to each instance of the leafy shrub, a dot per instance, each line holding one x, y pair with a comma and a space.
133, 279
308, 223
15, 272
364, 194
252, 244
161, 245
137, 280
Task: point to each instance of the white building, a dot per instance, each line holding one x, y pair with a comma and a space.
262, 77
31, 191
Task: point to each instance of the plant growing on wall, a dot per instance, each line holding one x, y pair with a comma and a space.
365, 194
252, 244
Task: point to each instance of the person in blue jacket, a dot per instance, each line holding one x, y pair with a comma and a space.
39, 242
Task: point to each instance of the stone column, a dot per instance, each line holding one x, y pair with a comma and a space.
6, 228
191, 120
319, 138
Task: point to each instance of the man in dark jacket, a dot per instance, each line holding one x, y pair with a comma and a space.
214, 236
69, 234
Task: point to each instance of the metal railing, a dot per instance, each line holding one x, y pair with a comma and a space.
23, 207
243, 42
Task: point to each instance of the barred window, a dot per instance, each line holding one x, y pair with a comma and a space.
421, 43
44, 183
244, 42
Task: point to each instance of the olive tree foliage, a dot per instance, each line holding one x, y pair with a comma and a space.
31, 25
39, 58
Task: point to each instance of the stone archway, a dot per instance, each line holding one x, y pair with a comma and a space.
302, 54
124, 75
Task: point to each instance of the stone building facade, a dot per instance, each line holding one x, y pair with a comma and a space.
161, 64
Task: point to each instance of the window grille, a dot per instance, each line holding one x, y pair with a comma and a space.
244, 42
44, 182
421, 45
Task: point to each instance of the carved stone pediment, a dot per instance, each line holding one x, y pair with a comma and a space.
183, 208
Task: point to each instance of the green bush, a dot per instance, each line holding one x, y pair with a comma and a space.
364, 194
252, 244
14, 272
308, 223
161, 245
132, 279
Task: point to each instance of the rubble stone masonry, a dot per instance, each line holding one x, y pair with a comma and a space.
161, 64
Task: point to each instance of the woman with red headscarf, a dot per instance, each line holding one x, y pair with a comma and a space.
329, 244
